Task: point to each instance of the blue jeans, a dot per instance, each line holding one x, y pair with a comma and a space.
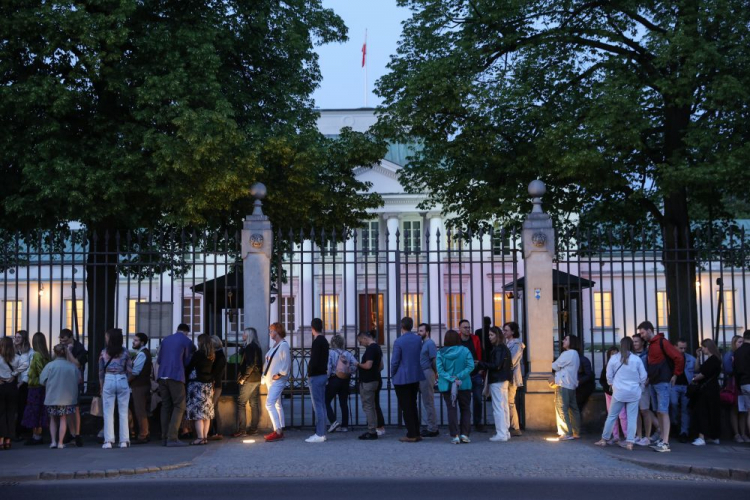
615, 408
318, 395
679, 406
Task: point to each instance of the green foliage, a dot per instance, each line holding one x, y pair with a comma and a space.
129, 114
627, 109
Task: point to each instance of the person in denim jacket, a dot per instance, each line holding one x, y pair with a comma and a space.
678, 401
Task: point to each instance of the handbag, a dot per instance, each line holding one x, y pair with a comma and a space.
693, 389
96, 407
729, 395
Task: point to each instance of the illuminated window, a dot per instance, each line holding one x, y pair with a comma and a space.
287, 313
13, 310
370, 238
192, 314
502, 308
69, 315
455, 303
412, 236
329, 312
727, 310
603, 309
662, 309
131, 314
413, 306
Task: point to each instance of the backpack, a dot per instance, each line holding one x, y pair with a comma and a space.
342, 366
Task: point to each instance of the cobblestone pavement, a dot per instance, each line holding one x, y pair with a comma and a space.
345, 456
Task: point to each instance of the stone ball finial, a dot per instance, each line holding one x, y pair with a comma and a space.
258, 191
537, 188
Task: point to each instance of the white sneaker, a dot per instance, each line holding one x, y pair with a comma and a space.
315, 439
738, 439
107, 446
713, 441
343, 429
53, 445
334, 426
124, 444
498, 437
699, 442
644, 441
380, 432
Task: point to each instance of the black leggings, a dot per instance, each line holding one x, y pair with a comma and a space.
338, 387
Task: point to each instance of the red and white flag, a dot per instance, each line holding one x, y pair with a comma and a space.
364, 51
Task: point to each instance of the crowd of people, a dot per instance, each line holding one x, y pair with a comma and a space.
651, 386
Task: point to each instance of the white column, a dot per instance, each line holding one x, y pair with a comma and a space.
538, 249
350, 294
392, 321
434, 294
306, 288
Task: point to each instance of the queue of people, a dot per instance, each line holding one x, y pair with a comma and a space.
651, 386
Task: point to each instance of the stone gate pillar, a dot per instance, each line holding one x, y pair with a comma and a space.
257, 245
538, 252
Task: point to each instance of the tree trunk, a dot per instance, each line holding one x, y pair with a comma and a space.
101, 288
679, 261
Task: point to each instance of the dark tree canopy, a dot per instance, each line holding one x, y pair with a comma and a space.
629, 110
133, 113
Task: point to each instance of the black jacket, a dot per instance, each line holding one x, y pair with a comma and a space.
499, 364
742, 364
220, 362
318, 364
203, 368
252, 363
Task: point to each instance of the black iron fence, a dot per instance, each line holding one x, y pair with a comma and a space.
367, 279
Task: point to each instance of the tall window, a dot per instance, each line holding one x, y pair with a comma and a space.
370, 238
69, 314
131, 314
13, 313
603, 309
413, 306
287, 313
412, 236
727, 311
662, 309
192, 314
329, 249
329, 312
455, 303
502, 309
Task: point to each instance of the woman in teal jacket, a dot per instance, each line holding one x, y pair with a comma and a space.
454, 366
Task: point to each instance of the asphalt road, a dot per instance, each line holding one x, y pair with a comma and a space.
379, 489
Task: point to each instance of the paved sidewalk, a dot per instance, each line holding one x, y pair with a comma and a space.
725, 461
22, 463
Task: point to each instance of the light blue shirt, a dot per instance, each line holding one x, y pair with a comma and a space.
140, 360
428, 354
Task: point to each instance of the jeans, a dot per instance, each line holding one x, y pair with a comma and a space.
615, 408
622, 417
678, 408
568, 416
172, 394
427, 388
660, 397
369, 392
477, 386
115, 388
463, 403
500, 410
515, 423
273, 403
249, 391
318, 396
338, 387
140, 395
407, 400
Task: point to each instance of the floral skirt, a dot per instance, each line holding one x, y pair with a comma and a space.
34, 415
61, 411
200, 401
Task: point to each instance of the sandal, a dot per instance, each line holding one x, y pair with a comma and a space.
196, 442
204, 441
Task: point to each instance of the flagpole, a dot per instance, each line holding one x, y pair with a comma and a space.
364, 57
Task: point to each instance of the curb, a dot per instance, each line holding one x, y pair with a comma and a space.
714, 472
92, 474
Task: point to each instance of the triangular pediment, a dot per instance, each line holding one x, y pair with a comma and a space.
383, 176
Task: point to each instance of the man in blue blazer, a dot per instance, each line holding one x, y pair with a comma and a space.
406, 373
